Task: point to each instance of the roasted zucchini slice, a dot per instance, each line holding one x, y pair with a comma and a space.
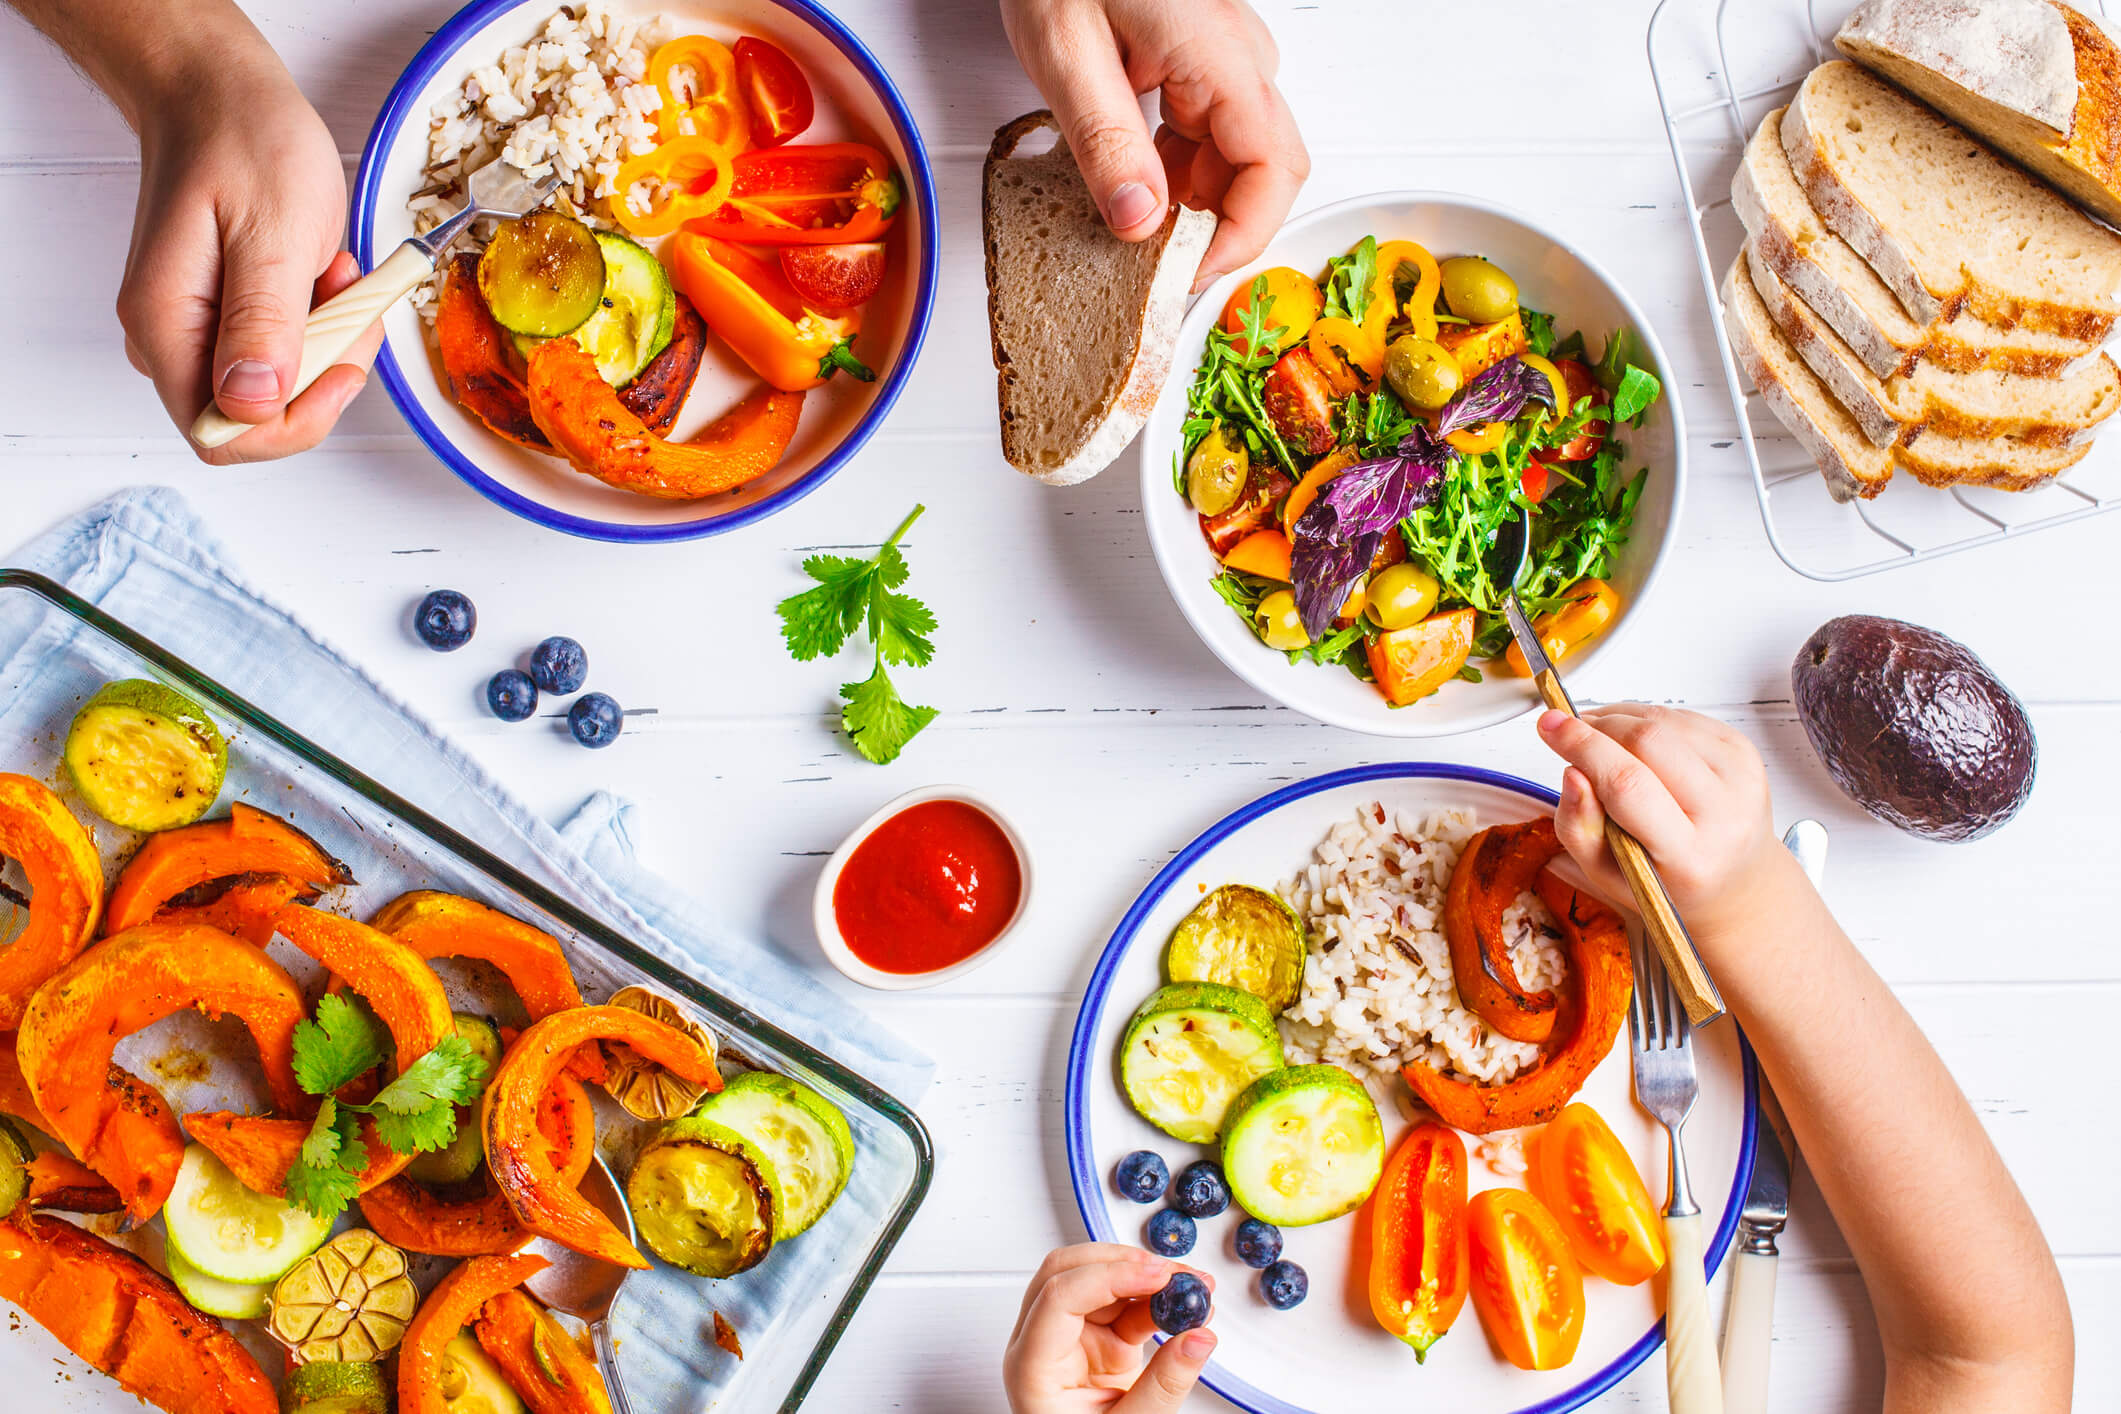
542, 274
338, 1387
1190, 1050
145, 756
635, 318
237, 1300
14, 1167
1303, 1145
1242, 937
702, 1198
801, 1131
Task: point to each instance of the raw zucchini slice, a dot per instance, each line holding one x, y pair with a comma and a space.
804, 1135
145, 756
226, 1231
1303, 1145
1190, 1050
340, 1387
239, 1301
14, 1167
702, 1198
460, 1158
634, 319
542, 274
1241, 937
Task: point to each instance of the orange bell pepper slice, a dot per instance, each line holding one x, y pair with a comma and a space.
697, 78
1592, 607
659, 191
1420, 307
749, 302
1365, 354
1475, 441
1418, 1254
1323, 470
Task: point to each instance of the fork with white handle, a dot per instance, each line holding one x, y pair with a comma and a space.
1665, 1085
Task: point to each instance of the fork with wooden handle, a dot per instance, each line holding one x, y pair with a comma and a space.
496, 190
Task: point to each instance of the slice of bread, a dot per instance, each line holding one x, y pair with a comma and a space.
1084, 324
2039, 412
1945, 222
2033, 78
1850, 462
1826, 271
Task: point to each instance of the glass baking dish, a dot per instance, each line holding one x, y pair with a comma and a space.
789, 1311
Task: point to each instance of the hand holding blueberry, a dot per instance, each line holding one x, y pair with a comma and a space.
1084, 1320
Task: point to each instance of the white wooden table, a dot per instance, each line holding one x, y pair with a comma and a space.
1072, 692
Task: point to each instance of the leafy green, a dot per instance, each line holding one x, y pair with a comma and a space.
1226, 387
341, 1044
852, 594
1637, 391
1538, 331
327, 1174
1348, 281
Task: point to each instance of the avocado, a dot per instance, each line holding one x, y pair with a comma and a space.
1914, 727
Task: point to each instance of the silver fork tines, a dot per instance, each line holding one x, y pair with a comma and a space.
1665, 1083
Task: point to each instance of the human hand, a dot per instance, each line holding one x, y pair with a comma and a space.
1078, 1337
1228, 140
236, 237
1691, 790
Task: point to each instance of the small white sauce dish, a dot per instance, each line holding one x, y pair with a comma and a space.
826, 919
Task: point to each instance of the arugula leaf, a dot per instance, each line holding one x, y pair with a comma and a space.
1348, 281
1637, 391
1538, 331
878, 721
342, 1044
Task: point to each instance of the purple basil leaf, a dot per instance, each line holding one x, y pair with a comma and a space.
1496, 394
1337, 536
1325, 570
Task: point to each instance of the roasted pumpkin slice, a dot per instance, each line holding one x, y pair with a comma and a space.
260, 1149
1497, 866
451, 1306
247, 842
546, 1367
127, 1320
67, 1185
127, 984
1594, 1000
143, 1125
245, 905
58, 857
436, 924
517, 1156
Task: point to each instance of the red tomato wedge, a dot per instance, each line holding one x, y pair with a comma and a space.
834, 278
1585, 444
1419, 1268
1583, 1174
775, 91
1526, 1284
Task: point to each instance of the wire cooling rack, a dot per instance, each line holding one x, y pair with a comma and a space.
1719, 66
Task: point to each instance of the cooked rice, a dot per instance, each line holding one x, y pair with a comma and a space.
1378, 990
575, 100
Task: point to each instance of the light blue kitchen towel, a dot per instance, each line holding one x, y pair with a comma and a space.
147, 559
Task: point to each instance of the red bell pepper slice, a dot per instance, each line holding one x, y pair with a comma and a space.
835, 193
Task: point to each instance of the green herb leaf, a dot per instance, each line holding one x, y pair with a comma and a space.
1538, 331
877, 720
1636, 392
342, 1044
450, 1074
899, 625
326, 1173
1348, 281
418, 1131
817, 622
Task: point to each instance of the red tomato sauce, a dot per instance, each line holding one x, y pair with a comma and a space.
931, 886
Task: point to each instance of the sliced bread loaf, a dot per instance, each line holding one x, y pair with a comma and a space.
1083, 324
1998, 463
1945, 222
2033, 78
1826, 271
2041, 412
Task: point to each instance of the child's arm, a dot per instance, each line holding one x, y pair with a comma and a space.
1970, 1305
1077, 1346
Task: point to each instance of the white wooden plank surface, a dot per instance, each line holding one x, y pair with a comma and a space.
1071, 690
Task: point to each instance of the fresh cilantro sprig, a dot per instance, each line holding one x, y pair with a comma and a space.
853, 594
414, 1114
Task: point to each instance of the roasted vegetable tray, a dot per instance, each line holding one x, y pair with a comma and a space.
788, 1312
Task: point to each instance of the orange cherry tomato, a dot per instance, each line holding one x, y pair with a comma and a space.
1585, 444
1293, 301
1583, 1174
1412, 662
1525, 1283
775, 91
1419, 1266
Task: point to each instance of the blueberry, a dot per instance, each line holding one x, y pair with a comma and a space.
1141, 1176
512, 695
1258, 1243
1170, 1233
558, 665
595, 719
445, 620
1199, 1190
1285, 1285
1181, 1305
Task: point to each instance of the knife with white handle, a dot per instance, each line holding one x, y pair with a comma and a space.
1749, 1319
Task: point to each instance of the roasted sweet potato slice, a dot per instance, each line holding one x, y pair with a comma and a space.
58, 855
658, 391
125, 1319
1498, 864
248, 842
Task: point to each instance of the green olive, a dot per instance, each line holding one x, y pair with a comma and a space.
1477, 290
1401, 595
1280, 625
1422, 372
1217, 473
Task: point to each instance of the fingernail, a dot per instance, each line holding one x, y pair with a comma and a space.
250, 381
1197, 1345
1130, 204
1550, 721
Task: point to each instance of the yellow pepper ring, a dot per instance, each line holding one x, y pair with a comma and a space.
709, 105
1476, 440
1420, 308
1559, 384
672, 170
1328, 338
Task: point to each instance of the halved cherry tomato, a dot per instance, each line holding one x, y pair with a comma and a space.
1254, 511
775, 90
1526, 1284
1291, 302
833, 278
1583, 1174
1299, 403
1419, 1266
1585, 444
1537, 479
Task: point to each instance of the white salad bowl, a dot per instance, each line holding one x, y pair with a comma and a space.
826, 919
856, 101
1552, 276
